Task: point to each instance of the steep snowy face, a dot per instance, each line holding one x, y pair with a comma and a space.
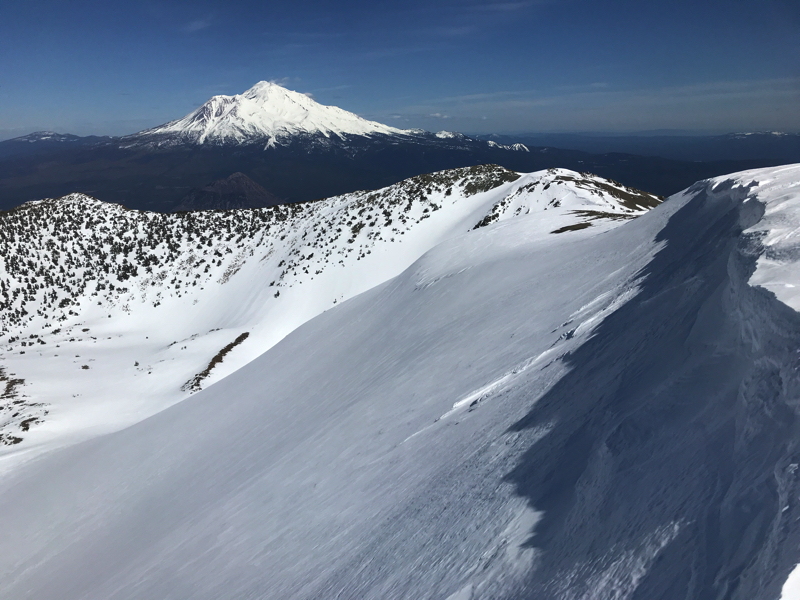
125, 312
778, 267
266, 113
517, 414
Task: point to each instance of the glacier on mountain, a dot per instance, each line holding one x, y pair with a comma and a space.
269, 112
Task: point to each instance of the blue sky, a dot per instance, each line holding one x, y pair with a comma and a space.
114, 67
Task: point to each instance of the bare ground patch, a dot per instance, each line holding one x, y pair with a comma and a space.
193, 385
17, 413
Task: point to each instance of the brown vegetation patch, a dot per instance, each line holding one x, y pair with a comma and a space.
193, 385
575, 227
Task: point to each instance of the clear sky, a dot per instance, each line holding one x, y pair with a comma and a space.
115, 67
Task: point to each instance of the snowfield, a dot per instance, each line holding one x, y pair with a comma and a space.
490, 410
110, 315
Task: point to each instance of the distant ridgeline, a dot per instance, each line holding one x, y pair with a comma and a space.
290, 148
64, 255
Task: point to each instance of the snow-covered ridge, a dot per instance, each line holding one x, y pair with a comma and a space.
444, 435
778, 191
449, 135
93, 295
515, 147
267, 112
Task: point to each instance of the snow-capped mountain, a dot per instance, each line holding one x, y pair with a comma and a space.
269, 115
266, 113
95, 297
610, 412
516, 147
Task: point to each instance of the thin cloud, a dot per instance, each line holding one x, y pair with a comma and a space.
749, 104
504, 6
197, 25
453, 31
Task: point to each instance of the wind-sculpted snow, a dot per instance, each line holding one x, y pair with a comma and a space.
515, 415
107, 313
778, 268
518, 414
678, 420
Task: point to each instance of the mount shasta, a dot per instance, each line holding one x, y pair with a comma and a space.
296, 149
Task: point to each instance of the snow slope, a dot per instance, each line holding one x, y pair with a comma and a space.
778, 268
606, 414
268, 112
110, 315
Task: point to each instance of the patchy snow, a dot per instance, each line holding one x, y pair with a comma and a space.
515, 147
449, 135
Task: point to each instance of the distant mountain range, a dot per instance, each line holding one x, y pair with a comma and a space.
765, 145
295, 149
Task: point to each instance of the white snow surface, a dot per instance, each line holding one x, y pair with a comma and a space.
309, 461
269, 111
124, 309
791, 589
778, 268
362, 455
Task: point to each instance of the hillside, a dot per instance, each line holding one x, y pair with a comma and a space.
236, 191
110, 315
610, 412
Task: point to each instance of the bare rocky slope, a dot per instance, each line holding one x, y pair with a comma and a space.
236, 191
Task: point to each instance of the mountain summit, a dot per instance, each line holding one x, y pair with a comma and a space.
267, 112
